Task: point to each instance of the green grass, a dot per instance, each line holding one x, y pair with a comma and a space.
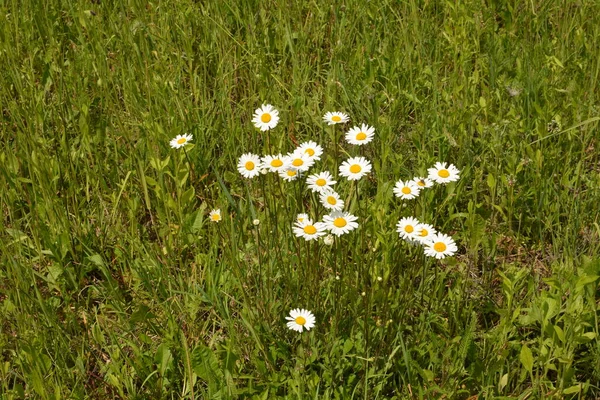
114, 284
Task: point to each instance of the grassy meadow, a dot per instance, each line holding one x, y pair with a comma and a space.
115, 283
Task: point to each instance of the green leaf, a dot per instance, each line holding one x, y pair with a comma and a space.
503, 382
526, 358
559, 333
573, 389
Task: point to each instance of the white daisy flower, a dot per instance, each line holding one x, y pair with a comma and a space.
442, 174
355, 168
339, 222
275, 163
320, 182
309, 230
301, 161
360, 135
423, 183
335, 117
303, 218
331, 201
311, 148
266, 117
249, 165
423, 233
406, 227
300, 319
180, 141
440, 246
290, 174
406, 190
215, 215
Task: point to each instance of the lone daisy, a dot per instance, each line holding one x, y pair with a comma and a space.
423, 233
180, 141
331, 201
320, 182
333, 118
309, 230
290, 174
249, 165
355, 168
442, 174
266, 117
300, 319
406, 227
275, 163
423, 183
440, 246
301, 161
215, 215
340, 223
406, 190
312, 149
360, 135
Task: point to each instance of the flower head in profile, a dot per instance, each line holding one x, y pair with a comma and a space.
300, 319
320, 182
423, 183
335, 117
331, 200
442, 174
275, 163
302, 218
309, 230
406, 190
406, 227
312, 149
440, 246
180, 141
215, 215
360, 135
249, 165
289, 174
340, 223
355, 168
265, 117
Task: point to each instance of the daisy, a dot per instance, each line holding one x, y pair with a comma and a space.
312, 149
423, 233
301, 161
440, 246
303, 218
266, 117
290, 174
331, 201
215, 215
275, 163
442, 174
309, 230
249, 165
320, 182
355, 168
360, 136
406, 190
339, 222
300, 319
406, 227
333, 118
423, 183
180, 141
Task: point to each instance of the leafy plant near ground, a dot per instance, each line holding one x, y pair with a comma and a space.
114, 282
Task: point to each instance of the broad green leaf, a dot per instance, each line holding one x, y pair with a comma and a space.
526, 358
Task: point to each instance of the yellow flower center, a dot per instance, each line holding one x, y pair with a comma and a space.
355, 169
291, 172
336, 118
297, 162
406, 190
300, 320
424, 232
409, 229
361, 136
181, 140
216, 217
331, 200
266, 118
276, 163
439, 247
339, 222
249, 165
310, 152
443, 173
321, 182
421, 182
310, 230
